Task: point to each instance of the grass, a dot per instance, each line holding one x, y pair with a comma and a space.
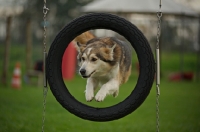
170, 62
21, 110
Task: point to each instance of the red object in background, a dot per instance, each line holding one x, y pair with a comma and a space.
69, 62
184, 76
188, 76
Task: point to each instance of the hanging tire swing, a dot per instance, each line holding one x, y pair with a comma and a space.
138, 42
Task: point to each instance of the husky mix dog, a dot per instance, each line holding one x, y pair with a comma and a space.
105, 62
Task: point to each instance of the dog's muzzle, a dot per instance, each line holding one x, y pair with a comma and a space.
83, 73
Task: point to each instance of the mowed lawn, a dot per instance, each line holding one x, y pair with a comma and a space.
21, 110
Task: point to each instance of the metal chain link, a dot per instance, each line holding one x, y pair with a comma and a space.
45, 89
159, 15
45, 11
157, 110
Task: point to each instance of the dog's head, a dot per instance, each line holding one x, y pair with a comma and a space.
96, 58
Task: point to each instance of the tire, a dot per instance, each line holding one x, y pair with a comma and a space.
138, 42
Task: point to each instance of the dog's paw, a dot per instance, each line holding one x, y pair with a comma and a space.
115, 94
89, 96
100, 96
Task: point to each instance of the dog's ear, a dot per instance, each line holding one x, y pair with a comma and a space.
112, 48
112, 52
80, 47
108, 53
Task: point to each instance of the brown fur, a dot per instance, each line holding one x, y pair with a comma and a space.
84, 37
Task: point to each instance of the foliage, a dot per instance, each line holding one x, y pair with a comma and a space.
62, 11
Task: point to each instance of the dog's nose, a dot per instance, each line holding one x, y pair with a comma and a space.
82, 71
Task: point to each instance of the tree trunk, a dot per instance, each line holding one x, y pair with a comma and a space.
28, 45
198, 55
7, 51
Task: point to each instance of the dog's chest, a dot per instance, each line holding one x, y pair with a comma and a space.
102, 80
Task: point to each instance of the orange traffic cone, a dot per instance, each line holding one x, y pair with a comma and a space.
16, 79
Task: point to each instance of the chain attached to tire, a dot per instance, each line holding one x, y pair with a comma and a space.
159, 15
45, 88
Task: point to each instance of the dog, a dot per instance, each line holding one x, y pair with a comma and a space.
105, 62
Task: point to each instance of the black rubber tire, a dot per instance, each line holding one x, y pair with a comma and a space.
137, 40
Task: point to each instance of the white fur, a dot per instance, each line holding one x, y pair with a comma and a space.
105, 77
111, 87
89, 51
92, 84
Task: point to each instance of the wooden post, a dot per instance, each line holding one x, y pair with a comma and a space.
6, 51
28, 45
198, 55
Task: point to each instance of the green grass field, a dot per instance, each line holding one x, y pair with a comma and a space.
21, 110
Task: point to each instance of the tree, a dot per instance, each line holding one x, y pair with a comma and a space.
7, 51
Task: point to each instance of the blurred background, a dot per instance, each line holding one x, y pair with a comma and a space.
21, 65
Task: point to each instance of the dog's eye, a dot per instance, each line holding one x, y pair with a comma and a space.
93, 59
82, 58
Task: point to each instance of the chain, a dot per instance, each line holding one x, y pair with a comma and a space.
45, 11
159, 15
45, 89
157, 111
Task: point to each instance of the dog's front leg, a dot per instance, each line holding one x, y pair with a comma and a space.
111, 87
92, 84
